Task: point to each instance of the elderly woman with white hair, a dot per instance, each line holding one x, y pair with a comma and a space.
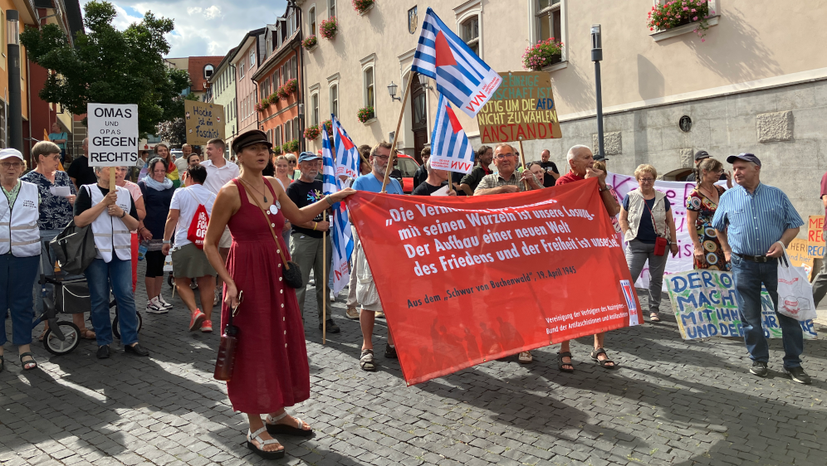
647, 224
19, 253
112, 215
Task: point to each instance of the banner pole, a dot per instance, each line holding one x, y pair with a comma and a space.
522, 162
324, 280
396, 134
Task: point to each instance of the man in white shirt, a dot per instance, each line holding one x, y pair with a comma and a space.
219, 172
181, 162
189, 260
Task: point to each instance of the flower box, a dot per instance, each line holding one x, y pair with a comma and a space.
310, 42
542, 54
365, 114
328, 125
675, 14
328, 28
311, 132
362, 6
291, 86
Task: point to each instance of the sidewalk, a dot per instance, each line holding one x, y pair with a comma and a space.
671, 402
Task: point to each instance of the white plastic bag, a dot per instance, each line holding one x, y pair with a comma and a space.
795, 294
168, 263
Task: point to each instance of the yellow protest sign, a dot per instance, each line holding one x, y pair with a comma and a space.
521, 109
204, 122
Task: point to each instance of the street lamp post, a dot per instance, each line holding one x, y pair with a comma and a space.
15, 97
597, 55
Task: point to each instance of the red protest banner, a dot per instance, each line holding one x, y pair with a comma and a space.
466, 280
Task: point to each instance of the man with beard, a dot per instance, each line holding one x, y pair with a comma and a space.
307, 244
366, 293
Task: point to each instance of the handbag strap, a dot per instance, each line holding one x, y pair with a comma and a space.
651, 215
243, 185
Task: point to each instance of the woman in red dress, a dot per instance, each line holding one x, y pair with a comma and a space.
271, 369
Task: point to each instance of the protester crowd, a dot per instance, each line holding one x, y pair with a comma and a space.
248, 235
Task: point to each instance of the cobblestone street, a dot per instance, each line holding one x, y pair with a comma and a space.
670, 402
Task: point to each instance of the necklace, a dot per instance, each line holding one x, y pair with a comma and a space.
708, 194
256, 190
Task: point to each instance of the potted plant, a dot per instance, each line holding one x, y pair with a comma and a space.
282, 92
365, 114
675, 13
291, 146
277, 149
328, 124
328, 28
311, 132
361, 6
310, 42
291, 86
274, 97
543, 53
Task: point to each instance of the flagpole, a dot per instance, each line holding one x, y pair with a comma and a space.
522, 161
389, 167
324, 279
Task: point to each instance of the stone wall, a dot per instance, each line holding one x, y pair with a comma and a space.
785, 127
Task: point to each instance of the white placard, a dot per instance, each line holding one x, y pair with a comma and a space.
113, 134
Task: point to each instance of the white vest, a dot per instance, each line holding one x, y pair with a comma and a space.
636, 207
18, 224
110, 232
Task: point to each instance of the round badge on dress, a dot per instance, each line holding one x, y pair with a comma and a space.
278, 204
274, 209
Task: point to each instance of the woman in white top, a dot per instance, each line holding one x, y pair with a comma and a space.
112, 215
282, 169
19, 253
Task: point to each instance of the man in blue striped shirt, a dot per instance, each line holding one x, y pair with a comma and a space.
754, 223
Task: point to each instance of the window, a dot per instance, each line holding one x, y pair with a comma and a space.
314, 108
277, 138
241, 69
470, 33
252, 59
311, 16
334, 99
208, 71
296, 127
294, 67
288, 131
548, 19
369, 87
331, 6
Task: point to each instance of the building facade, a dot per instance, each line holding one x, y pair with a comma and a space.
756, 83
245, 62
280, 95
223, 92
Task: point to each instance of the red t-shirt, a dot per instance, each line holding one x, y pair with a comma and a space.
824, 193
571, 177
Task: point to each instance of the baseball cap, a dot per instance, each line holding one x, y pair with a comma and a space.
744, 156
308, 156
702, 154
9, 153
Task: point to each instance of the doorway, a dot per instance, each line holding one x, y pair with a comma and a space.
419, 117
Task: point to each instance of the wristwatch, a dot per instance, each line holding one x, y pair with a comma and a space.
123, 214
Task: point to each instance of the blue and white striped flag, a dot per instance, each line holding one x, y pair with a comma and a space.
460, 74
347, 155
450, 149
339, 224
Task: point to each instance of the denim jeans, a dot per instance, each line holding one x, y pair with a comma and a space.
748, 277
637, 255
17, 276
117, 276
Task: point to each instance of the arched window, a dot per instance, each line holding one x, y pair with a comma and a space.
208, 71
311, 16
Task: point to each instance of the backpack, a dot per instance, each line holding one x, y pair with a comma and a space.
197, 231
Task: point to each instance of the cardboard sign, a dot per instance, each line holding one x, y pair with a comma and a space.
521, 109
204, 122
706, 306
113, 134
489, 276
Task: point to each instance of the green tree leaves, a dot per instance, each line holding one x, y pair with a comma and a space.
110, 66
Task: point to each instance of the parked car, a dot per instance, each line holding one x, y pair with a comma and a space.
404, 167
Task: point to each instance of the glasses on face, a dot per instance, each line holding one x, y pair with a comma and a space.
382, 157
646, 180
11, 164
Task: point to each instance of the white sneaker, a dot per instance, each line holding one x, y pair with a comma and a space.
162, 302
154, 307
332, 297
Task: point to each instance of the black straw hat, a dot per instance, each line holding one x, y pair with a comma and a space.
254, 136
